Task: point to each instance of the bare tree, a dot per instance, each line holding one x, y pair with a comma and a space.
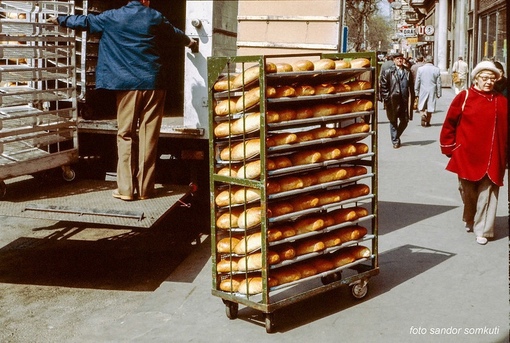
358, 14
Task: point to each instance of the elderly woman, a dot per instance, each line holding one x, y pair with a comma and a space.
474, 136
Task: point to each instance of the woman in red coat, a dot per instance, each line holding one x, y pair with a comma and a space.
474, 135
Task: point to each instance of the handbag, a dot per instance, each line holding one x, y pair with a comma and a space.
455, 77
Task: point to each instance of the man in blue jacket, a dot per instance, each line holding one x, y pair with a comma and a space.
129, 62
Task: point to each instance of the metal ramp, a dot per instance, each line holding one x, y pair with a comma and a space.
87, 201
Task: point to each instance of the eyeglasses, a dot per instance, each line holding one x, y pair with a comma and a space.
487, 78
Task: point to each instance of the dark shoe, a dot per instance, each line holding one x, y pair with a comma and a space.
423, 120
396, 145
117, 195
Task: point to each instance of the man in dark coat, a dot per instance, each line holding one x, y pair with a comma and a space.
397, 93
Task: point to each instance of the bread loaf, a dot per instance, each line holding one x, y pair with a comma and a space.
231, 284
228, 219
251, 74
229, 171
284, 251
286, 115
351, 233
302, 65
324, 64
248, 244
304, 90
358, 128
323, 132
361, 148
359, 170
304, 112
272, 187
341, 258
286, 274
331, 239
308, 246
254, 285
226, 197
306, 269
250, 170
360, 211
222, 129
304, 136
305, 157
250, 218
347, 150
361, 105
248, 99
342, 64
280, 209
344, 108
246, 195
360, 63
254, 261
304, 202
322, 264
285, 91
331, 174
330, 153
281, 139
246, 124
307, 225
309, 180
224, 83
342, 87
287, 231
332, 196
225, 107
359, 85
344, 215
226, 245
282, 162
288, 183
272, 117
359, 251
324, 88
228, 265
358, 190
241, 151
283, 67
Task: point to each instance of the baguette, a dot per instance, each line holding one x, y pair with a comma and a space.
342, 87
342, 257
304, 90
249, 218
251, 74
241, 151
228, 219
307, 269
304, 202
324, 64
302, 65
358, 190
359, 85
285, 91
273, 187
342, 64
250, 170
360, 63
227, 265
280, 209
351, 233
344, 108
281, 139
288, 183
305, 157
323, 132
248, 244
360, 211
344, 215
330, 153
304, 113
226, 245
248, 99
248, 123
286, 275
357, 128
231, 284
287, 231
225, 197
309, 246
246, 195
222, 129
254, 261
331, 239
283, 67
322, 264
272, 117
324, 88
361, 105
347, 150
286, 115
225, 107
361, 148
359, 251
304, 136
285, 251
331, 174
309, 180
229, 171
332, 196
225, 83
307, 225
254, 285
282, 162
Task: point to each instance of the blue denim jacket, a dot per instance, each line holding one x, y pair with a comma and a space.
130, 48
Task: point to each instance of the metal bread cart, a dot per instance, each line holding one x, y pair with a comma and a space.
37, 93
291, 261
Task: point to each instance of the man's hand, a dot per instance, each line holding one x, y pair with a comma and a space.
193, 45
52, 20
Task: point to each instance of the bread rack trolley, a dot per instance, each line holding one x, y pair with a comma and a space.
293, 178
37, 91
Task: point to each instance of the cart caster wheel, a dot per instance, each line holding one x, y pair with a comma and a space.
69, 175
3, 189
231, 309
359, 290
269, 317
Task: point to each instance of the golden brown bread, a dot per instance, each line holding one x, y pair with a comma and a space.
360, 63
228, 219
361, 148
342, 257
281, 139
304, 202
305, 157
272, 187
254, 285
324, 64
344, 215
360, 211
222, 129
288, 183
248, 244
308, 246
347, 150
309, 180
322, 264
351, 233
231, 284
302, 65
323, 132
324, 88
224, 83
342, 64
225, 107
304, 136
226, 245
357, 128
229, 171
248, 123
331, 174
307, 269
225, 197
249, 218
304, 112
342, 87
284, 251
285, 91
344, 108
332, 196
251, 74
287, 231
241, 151
304, 90
283, 67
227, 265
280, 209
359, 85
359, 251
282, 162
286, 114
246, 195
358, 190
307, 225
361, 105
254, 261
286, 274
250, 170
272, 117
248, 99
330, 153
331, 239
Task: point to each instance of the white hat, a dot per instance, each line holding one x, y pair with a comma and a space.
485, 65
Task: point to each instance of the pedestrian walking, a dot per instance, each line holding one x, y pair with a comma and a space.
397, 93
459, 75
130, 63
427, 88
501, 84
475, 137
414, 70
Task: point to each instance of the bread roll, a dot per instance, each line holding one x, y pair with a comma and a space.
286, 274
226, 245
360, 63
229, 171
332, 196
254, 261
302, 65
358, 190
309, 180
324, 88
288, 183
308, 246
330, 153
228, 219
246, 195
282, 162
322, 264
342, 87
226, 197
270, 92
307, 225
361, 105
250, 170
359, 85
305, 112
286, 115
284, 251
248, 99
342, 64
283, 67
324, 64
304, 90
224, 83
241, 151
306, 269
280, 209
228, 265
323, 110
323, 132
231, 284
359, 251
305, 157
331, 174
351, 233
361, 148
358, 128
225, 107
304, 202
331, 239
282, 139
249, 218
344, 215
342, 257
285, 91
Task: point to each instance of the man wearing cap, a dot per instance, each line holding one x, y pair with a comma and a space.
397, 93
474, 136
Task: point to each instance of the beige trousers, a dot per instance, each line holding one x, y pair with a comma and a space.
480, 200
139, 116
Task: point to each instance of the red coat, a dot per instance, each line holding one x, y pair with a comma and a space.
476, 140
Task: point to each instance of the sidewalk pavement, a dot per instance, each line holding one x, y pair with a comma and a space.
436, 284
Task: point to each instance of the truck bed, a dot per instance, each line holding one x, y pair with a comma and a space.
86, 201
